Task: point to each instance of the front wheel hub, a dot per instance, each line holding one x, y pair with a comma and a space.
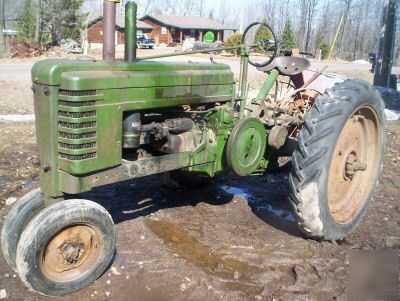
71, 253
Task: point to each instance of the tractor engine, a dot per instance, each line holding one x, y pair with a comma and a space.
168, 136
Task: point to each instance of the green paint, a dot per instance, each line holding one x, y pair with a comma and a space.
209, 37
79, 107
130, 31
267, 85
246, 146
244, 63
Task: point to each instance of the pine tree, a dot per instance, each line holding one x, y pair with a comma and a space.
26, 22
262, 33
287, 40
62, 19
72, 19
324, 50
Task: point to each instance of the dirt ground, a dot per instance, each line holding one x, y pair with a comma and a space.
235, 239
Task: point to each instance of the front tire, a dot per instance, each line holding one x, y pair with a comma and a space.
66, 247
339, 159
17, 219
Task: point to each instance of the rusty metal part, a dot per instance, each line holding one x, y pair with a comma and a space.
303, 88
277, 136
175, 143
352, 166
71, 252
314, 77
287, 65
109, 23
350, 179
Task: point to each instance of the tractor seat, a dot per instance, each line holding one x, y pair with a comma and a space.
287, 65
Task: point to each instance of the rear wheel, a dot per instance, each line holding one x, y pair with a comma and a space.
65, 247
17, 219
339, 160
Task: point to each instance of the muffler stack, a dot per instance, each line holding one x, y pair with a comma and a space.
109, 25
109, 22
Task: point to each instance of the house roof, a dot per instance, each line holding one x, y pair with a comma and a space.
188, 22
120, 22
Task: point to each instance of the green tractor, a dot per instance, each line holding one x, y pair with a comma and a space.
101, 122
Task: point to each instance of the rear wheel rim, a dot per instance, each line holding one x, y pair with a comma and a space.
354, 165
72, 253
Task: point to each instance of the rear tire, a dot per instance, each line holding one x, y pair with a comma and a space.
66, 247
338, 161
17, 219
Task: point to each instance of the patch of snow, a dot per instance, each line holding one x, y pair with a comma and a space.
3, 294
17, 118
11, 201
115, 271
392, 114
364, 62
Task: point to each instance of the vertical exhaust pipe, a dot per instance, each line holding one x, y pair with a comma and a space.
130, 31
109, 23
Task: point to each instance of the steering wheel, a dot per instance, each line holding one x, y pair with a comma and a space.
266, 46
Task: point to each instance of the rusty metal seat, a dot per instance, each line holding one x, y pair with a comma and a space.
287, 65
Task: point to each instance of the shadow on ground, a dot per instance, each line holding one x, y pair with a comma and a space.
267, 196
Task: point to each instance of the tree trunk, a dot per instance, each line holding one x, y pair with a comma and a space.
2, 26
346, 15
38, 22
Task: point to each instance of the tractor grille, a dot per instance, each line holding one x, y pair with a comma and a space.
77, 124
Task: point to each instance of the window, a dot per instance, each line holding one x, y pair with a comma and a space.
163, 30
172, 30
192, 33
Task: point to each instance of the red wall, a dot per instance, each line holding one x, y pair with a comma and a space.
156, 32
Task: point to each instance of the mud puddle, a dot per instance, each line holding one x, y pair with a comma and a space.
237, 274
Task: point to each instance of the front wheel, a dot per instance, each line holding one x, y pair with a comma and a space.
65, 247
16, 221
339, 159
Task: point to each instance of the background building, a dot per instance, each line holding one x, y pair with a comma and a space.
95, 30
169, 29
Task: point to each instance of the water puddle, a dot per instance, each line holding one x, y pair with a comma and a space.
236, 273
259, 204
31, 184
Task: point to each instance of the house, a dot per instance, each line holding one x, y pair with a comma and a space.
169, 29
95, 30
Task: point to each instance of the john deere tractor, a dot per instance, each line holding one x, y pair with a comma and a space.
101, 122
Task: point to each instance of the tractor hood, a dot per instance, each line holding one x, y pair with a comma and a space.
50, 72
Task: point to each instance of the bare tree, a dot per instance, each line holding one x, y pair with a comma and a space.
2, 27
